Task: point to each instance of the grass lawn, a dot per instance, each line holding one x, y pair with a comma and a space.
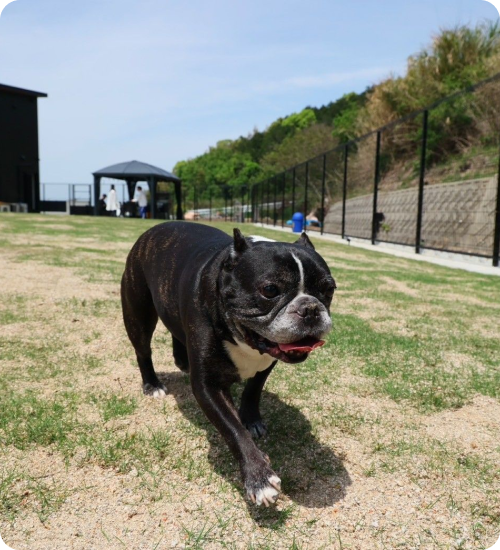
387, 437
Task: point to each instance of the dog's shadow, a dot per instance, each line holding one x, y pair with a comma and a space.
311, 473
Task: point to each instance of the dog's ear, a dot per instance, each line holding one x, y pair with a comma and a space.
305, 241
240, 243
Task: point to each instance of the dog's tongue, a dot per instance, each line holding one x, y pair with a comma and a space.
306, 345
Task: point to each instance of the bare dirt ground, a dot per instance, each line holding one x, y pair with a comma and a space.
398, 476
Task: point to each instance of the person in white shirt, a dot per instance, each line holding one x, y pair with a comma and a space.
142, 201
112, 204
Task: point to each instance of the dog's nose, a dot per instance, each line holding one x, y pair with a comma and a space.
308, 310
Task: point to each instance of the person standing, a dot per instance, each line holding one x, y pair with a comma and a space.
102, 205
112, 204
142, 202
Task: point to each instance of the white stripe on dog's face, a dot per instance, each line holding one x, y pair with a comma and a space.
258, 239
301, 273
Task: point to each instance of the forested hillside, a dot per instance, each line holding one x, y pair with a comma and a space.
455, 59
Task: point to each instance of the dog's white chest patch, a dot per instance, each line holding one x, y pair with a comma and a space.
247, 360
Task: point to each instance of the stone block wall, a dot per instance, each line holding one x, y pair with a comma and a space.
459, 216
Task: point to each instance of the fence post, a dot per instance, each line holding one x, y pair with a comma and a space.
323, 186
258, 205
375, 188
267, 201
496, 243
293, 193
305, 195
210, 204
344, 188
274, 205
253, 194
243, 189
283, 184
255, 204
97, 194
251, 200
261, 202
421, 183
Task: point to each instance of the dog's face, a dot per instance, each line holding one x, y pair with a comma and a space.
277, 297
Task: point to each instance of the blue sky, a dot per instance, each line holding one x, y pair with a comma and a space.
162, 80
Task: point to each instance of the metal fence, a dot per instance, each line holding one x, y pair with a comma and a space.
430, 180
76, 198
218, 203
79, 192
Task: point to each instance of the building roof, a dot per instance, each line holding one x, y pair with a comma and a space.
135, 169
20, 91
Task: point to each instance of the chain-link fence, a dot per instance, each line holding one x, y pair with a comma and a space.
430, 180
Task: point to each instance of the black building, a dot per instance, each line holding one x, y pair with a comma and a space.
19, 169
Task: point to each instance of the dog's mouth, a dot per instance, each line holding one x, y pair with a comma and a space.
295, 352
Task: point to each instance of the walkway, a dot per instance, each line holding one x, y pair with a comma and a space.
474, 264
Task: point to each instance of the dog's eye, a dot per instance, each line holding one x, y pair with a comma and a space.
329, 288
270, 291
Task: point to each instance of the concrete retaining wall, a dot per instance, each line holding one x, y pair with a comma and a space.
457, 216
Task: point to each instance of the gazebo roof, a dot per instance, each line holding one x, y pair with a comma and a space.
135, 169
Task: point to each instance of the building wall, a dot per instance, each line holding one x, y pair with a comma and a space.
19, 164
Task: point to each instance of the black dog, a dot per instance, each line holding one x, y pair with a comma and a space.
234, 307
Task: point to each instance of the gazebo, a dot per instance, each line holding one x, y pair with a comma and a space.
133, 172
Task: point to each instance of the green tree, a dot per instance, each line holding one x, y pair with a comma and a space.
301, 120
299, 147
345, 124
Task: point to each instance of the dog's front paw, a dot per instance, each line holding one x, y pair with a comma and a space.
157, 392
264, 489
257, 429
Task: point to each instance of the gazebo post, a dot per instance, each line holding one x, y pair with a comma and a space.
97, 194
130, 187
152, 188
178, 198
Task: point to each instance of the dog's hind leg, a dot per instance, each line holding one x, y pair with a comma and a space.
180, 355
250, 398
140, 317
